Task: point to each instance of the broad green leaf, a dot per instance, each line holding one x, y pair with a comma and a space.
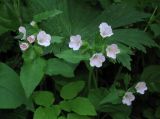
114, 111
82, 106
43, 98
3, 29
76, 116
77, 20
59, 67
65, 105
133, 38
72, 57
45, 15
72, 89
29, 55
8, 17
61, 117
124, 56
121, 15
57, 39
45, 113
96, 96
111, 97
156, 29
11, 91
31, 74
151, 76
120, 116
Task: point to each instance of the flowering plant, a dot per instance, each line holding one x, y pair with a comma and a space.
80, 60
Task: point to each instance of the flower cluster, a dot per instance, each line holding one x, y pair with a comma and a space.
129, 97
97, 59
42, 38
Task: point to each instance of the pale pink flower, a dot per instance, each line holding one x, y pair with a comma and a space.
43, 38
33, 23
128, 98
75, 42
105, 30
97, 60
24, 46
112, 51
141, 87
22, 30
31, 39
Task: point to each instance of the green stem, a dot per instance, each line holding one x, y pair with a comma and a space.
95, 77
118, 74
90, 79
150, 19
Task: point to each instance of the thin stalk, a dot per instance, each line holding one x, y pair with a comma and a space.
95, 77
118, 74
150, 19
90, 79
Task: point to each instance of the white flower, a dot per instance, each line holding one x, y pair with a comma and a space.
97, 60
31, 39
22, 30
43, 38
75, 42
128, 98
141, 87
105, 30
24, 46
112, 51
33, 23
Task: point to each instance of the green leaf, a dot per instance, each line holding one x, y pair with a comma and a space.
31, 74
86, 21
121, 15
124, 56
151, 75
43, 98
76, 116
11, 91
82, 106
111, 97
127, 39
156, 29
96, 96
8, 17
65, 105
29, 55
57, 39
45, 15
45, 113
120, 116
116, 110
72, 57
61, 117
3, 30
133, 38
59, 67
72, 89
127, 78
